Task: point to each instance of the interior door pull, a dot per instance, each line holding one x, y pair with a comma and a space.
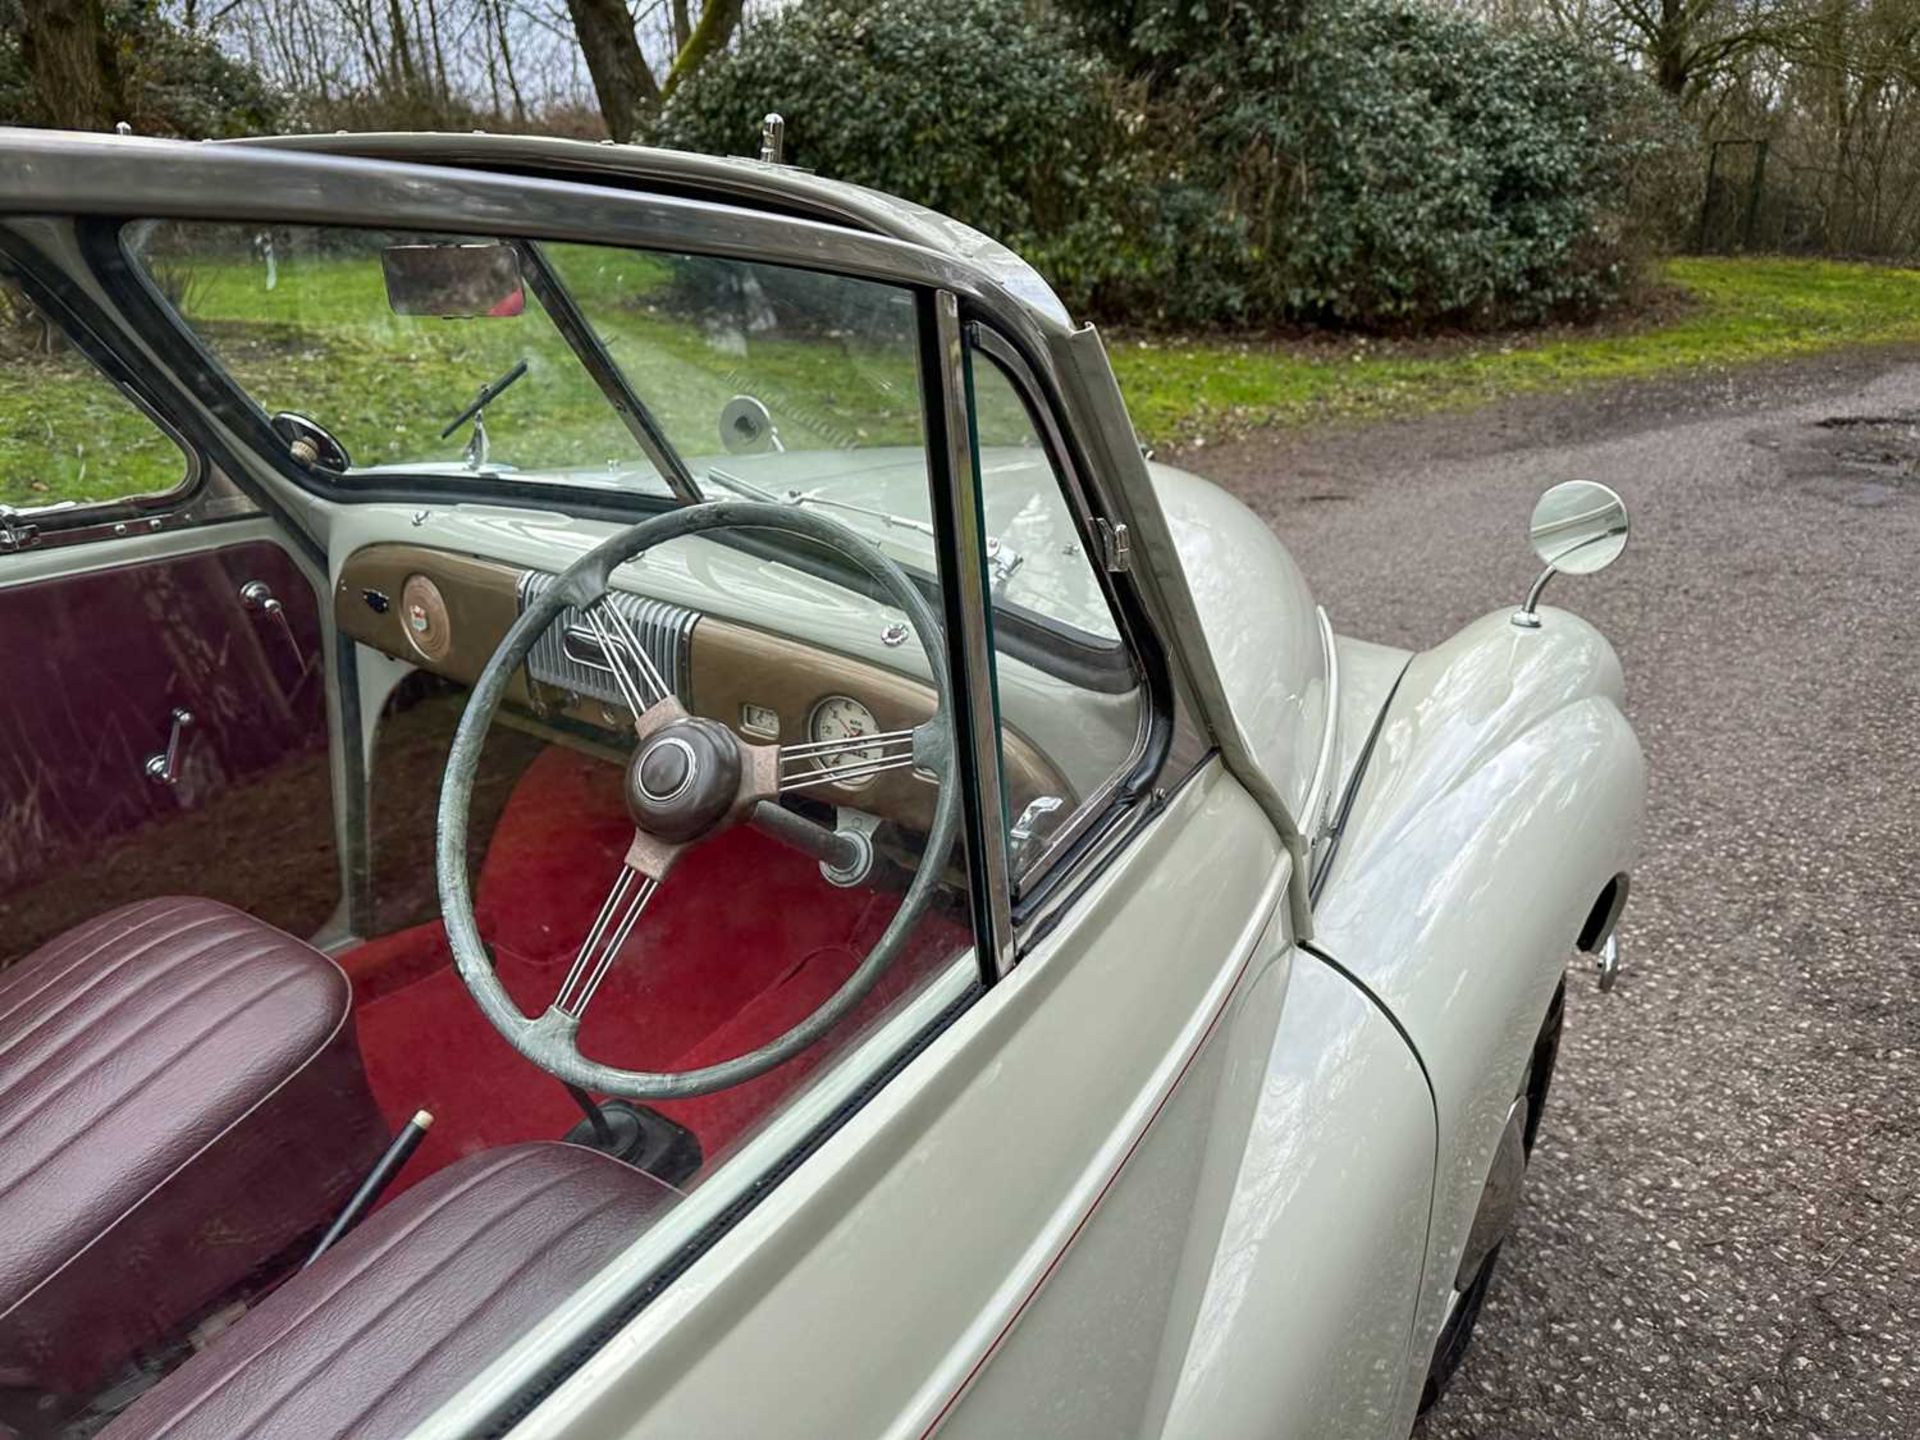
164, 768
259, 598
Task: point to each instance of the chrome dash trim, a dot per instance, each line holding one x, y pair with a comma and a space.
665, 630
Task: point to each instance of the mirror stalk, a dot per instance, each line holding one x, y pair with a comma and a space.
1527, 616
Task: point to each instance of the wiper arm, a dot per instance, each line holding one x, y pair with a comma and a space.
892, 522
489, 392
745, 487
798, 498
477, 412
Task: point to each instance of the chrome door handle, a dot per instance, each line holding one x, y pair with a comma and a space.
258, 597
164, 768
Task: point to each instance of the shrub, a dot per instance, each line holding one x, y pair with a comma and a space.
969, 107
1379, 163
1372, 163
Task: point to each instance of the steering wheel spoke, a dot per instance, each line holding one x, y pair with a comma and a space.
626, 901
640, 682
852, 758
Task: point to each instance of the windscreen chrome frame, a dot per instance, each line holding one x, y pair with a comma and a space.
128, 178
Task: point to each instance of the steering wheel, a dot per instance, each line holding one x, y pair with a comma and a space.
689, 780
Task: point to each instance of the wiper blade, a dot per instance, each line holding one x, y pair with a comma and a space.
798, 498
489, 392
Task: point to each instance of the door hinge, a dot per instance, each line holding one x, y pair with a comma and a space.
1116, 546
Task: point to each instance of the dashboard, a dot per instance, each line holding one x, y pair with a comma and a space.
447, 612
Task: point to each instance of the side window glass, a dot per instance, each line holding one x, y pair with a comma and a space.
1072, 707
68, 434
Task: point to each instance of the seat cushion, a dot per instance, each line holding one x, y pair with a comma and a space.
396, 1318
181, 1101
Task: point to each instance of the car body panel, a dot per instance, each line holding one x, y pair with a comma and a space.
1503, 795
1287, 1177
1297, 1283
1260, 627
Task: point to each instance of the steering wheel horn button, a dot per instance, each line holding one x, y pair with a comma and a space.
668, 769
684, 780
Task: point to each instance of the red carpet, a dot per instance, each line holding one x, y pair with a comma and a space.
742, 941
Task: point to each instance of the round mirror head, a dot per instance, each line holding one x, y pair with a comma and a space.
746, 427
1578, 527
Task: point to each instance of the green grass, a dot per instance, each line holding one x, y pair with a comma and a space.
65, 434
1737, 312
324, 342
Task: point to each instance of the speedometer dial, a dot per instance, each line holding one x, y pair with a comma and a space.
840, 721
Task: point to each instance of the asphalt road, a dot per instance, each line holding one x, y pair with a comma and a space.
1720, 1234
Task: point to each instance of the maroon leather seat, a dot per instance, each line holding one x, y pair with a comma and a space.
395, 1319
181, 1101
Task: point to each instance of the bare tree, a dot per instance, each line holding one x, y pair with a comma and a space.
630, 94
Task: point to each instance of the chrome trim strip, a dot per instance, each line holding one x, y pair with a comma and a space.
963, 554
1351, 790
69, 173
1314, 815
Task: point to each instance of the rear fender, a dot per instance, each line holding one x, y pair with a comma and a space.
1504, 794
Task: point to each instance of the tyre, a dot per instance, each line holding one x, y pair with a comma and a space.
1499, 1207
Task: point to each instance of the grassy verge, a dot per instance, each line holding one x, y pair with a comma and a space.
1738, 312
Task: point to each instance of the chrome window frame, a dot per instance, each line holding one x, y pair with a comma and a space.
128, 178
116, 515
1130, 778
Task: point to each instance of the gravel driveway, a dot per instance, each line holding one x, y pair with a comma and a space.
1720, 1237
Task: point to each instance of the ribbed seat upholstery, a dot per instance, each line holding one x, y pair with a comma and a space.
181, 1100
396, 1318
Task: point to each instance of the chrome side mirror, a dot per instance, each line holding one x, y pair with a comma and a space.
1578, 527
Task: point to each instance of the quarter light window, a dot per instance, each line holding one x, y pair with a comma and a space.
1072, 706
68, 435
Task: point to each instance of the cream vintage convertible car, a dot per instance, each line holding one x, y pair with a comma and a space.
628, 811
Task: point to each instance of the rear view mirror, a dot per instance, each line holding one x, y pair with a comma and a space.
453, 281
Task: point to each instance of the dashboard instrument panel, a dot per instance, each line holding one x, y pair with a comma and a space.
447, 613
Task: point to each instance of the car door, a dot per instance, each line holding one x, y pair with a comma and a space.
165, 709
1170, 1175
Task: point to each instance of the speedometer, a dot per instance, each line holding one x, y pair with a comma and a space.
839, 721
